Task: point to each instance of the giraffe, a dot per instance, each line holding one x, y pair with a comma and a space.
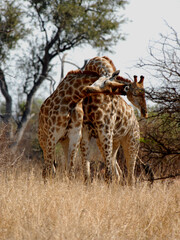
61, 117
112, 121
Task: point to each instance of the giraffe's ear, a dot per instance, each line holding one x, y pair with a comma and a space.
116, 73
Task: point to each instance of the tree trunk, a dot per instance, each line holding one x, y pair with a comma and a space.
8, 103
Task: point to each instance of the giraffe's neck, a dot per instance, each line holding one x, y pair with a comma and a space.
101, 65
70, 90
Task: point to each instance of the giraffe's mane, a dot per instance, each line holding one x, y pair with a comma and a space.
72, 72
79, 71
124, 80
111, 62
90, 73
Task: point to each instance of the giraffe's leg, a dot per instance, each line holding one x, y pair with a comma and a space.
65, 147
74, 142
74, 135
52, 137
43, 141
130, 144
105, 146
49, 158
115, 164
85, 150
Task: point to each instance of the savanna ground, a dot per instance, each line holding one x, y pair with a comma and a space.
60, 209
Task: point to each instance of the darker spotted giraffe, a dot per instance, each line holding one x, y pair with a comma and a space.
61, 117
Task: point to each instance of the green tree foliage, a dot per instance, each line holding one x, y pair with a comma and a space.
79, 22
12, 28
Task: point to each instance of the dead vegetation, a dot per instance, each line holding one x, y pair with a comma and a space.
60, 209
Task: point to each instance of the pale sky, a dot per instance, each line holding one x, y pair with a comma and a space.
147, 20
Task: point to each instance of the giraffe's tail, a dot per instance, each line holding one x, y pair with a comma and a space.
148, 170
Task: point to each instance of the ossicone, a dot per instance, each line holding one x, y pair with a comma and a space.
141, 79
135, 78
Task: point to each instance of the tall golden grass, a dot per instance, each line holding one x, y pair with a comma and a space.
30, 209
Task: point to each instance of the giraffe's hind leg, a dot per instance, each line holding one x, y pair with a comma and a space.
85, 151
49, 159
43, 144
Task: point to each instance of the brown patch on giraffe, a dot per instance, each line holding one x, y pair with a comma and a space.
78, 124
66, 86
85, 100
63, 109
46, 111
56, 107
59, 120
72, 105
122, 130
79, 115
92, 116
69, 91
66, 100
94, 108
86, 81
52, 104
98, 99
89, 99
105, 146
61, 93
99, 115
57, 129
76, 84
118, 124
57, 100
48, 102
75, 98
53, 119
63, 124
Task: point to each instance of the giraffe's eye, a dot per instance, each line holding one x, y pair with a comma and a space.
126, 89
138, 92
141, 91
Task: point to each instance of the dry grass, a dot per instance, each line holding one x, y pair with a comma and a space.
69, 210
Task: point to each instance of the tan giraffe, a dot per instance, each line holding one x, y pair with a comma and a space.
61, 117
112, 121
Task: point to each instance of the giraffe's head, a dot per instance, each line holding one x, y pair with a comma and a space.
106, 85
117, 85
136, 95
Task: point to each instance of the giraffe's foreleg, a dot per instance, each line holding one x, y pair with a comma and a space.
105, 146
